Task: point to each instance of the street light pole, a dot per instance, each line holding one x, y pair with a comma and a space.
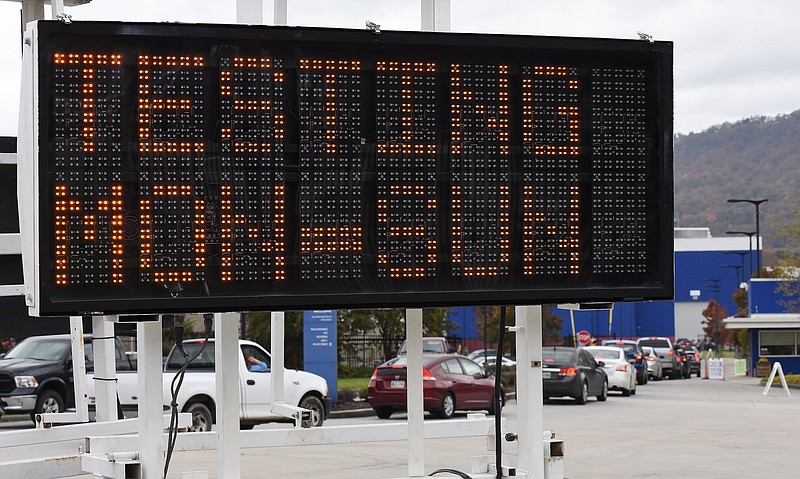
741, 258
738, 282
750, 234
755, 203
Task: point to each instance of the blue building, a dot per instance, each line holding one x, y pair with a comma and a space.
774, 330
706, 268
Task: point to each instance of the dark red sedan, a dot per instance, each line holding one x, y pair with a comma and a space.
450, 382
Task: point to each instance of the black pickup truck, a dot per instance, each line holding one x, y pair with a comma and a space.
36, 376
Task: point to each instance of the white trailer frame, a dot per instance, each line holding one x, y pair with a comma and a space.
102, 457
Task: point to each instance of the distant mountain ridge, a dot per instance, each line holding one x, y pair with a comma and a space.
754, 158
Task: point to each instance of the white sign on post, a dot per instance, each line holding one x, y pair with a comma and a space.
715, 369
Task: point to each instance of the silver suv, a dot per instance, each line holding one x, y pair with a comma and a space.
662, 348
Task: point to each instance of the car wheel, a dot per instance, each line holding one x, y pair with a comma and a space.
246, 427
48, 402
313, 404
448, 407
583, 396
646, 379
383, 412
202, 420
626, 392
604, 393
491, 406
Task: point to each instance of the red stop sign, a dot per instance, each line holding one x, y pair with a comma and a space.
584, 337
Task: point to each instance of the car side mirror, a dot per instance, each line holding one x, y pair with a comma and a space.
600, 364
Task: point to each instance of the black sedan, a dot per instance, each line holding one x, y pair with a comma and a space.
573, 372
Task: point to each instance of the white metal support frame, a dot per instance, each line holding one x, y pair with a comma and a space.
435, 15
226, 372
105, 367
415, 400
81, 413
151, 427
530, 404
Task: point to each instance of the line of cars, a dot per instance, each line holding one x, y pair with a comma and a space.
616, 365
453, 382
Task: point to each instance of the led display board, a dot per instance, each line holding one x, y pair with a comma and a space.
182, 168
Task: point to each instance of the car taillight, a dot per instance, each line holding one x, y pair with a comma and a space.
638, 357
671, 352
650, 358
571, 372
427, 376
622, 367
374, 375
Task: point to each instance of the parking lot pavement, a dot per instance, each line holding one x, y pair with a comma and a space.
670, 429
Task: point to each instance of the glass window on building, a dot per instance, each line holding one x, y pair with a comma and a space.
777, 343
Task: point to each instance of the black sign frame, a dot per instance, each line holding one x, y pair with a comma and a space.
651, 279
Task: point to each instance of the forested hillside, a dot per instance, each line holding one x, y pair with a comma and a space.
754, 159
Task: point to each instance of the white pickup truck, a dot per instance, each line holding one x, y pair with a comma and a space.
306, 390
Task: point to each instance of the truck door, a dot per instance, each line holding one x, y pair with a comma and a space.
256, 382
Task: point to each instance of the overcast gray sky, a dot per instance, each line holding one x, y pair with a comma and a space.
733, 59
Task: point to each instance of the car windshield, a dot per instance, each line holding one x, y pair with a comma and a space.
40, 349
403, 361
605, 353
204, 361
655, 343
428, 346
557, 355
627, 347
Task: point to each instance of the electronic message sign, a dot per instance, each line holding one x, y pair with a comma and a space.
181, 168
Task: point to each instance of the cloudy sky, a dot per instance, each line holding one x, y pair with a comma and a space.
733, 58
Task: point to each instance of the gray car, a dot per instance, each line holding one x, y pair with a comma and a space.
654, 370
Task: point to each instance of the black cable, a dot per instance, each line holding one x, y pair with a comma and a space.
498, 440
451, 471
175, 386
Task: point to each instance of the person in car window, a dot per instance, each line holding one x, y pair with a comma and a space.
254, 364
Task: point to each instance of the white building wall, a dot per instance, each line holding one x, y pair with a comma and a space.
688, 319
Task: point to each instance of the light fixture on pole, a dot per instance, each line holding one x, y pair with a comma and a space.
741, 254
755, 203
738, 281
750, 234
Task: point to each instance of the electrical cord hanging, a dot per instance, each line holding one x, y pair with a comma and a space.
498, 402
464, 475
177, 382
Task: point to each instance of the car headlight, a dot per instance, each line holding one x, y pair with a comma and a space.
26, 381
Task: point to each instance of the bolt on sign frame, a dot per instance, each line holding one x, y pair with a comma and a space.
182, 168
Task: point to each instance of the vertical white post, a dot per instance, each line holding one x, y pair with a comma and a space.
79, 368
277, 346
81, 413
416, 405
57, 8
151, 413
250, 12
228, 360
435, 15
530, 407
105, 367
281, 12
32, 10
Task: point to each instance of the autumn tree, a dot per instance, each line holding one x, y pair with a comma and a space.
390, 325
489, 316
713, 325
788, 266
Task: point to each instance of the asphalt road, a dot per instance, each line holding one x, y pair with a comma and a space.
670, 429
